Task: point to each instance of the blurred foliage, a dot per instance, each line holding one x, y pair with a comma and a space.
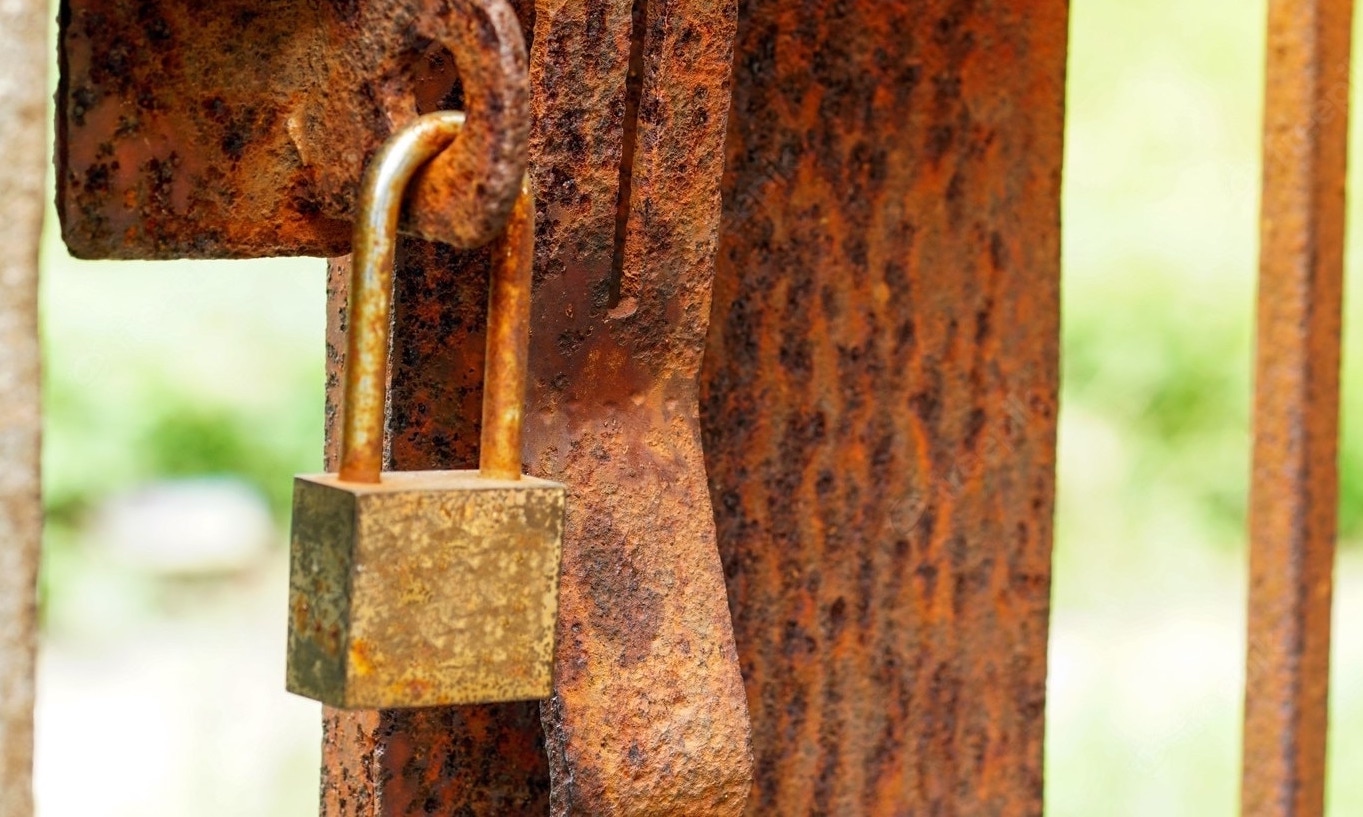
162, 371
1160, 254
171, 435
1160, 260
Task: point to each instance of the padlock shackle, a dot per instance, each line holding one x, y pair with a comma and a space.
371, 295
506, 359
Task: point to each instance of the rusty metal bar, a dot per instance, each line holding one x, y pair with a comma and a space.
23, 143
1294, 488
879, 399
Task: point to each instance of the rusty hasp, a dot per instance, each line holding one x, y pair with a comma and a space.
1294, 490
648, 715
879, 399
425, 588
240, 129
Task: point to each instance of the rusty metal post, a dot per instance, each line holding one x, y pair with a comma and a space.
649, 714
23, 143
1294, 490
879, 398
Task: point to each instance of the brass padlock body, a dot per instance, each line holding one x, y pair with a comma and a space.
430, 588
425, 589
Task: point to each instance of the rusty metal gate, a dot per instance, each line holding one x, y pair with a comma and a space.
794, 350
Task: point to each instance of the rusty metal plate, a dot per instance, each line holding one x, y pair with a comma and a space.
649, 714
1295, 483
879, 399
240, 129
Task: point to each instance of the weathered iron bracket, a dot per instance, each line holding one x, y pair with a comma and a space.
230, 131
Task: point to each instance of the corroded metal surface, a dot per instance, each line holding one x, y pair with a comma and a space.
23, 144
1294, 491
237, 129
649, 714
879, 399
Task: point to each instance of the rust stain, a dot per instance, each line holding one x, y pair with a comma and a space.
879, 398
236, 130
1294, 487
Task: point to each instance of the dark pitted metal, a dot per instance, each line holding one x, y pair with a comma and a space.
240, 128
1294, 490
879, 399
649, 715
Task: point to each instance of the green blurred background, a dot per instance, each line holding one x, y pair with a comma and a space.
183, 394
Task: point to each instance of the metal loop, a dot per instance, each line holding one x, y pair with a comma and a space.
465, 194
371, 295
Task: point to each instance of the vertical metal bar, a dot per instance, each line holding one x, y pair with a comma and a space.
879, 398
1294, 489
23, 143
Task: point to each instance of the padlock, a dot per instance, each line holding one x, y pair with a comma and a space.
426, 588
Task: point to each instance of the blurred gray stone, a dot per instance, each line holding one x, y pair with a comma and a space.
195, 527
